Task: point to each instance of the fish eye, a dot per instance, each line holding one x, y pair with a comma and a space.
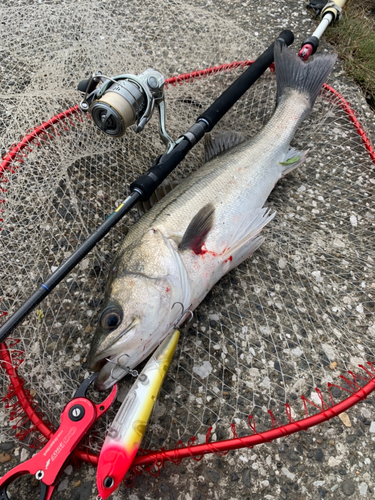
110, 319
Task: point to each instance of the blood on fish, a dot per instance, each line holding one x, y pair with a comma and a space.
229, 258
202, 250
198, 247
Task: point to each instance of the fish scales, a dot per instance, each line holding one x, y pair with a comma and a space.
202, 229
230, 177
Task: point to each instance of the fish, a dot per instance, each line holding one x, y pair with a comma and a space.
202, 229
129, 426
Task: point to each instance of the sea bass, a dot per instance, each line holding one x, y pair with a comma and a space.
210, 223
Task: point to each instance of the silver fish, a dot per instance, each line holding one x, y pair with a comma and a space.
202, 229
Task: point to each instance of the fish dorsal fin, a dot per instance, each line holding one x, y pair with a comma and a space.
196, 232
165, 187
221, 142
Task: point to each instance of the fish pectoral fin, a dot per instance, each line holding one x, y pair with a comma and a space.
246, 239
165, 187
221, 142
292, 160
196, 232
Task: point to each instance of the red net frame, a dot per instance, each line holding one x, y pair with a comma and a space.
24, 409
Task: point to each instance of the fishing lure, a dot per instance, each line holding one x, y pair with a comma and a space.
129, 426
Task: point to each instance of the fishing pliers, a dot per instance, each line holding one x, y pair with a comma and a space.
77, 418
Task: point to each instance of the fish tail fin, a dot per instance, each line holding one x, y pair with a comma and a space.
292, 73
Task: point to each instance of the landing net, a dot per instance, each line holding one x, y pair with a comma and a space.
295, 316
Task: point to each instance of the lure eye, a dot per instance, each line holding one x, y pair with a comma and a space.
110, 319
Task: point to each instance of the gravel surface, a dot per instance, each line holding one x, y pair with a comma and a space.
334, 460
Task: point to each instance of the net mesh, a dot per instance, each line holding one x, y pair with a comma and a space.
293, 317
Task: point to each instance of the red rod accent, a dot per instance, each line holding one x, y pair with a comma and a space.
306, 52
263, 437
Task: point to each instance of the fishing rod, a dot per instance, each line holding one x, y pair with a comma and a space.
143, 94
329, 12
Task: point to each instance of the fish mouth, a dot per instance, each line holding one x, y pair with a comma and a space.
113, 370
110, 347
111, 361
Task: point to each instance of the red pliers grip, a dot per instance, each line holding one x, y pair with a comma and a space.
77, 418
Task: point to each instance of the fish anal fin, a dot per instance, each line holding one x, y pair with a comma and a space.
241, 253
246, 239
221, 142
293, 159
196, 232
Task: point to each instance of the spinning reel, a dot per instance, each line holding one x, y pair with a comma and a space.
125, 100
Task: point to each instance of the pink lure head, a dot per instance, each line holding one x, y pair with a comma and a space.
114, 463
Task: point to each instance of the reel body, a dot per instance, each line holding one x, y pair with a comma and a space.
125, 100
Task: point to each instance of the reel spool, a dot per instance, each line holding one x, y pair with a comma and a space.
125, 100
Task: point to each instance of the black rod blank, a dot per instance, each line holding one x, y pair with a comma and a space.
65, 268
223, 103
146, 184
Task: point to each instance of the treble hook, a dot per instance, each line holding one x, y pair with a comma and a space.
126, 369
184, 313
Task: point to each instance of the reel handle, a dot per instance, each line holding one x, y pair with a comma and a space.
144, 186
82, 86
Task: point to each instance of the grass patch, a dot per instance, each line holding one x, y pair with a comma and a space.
354, 39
